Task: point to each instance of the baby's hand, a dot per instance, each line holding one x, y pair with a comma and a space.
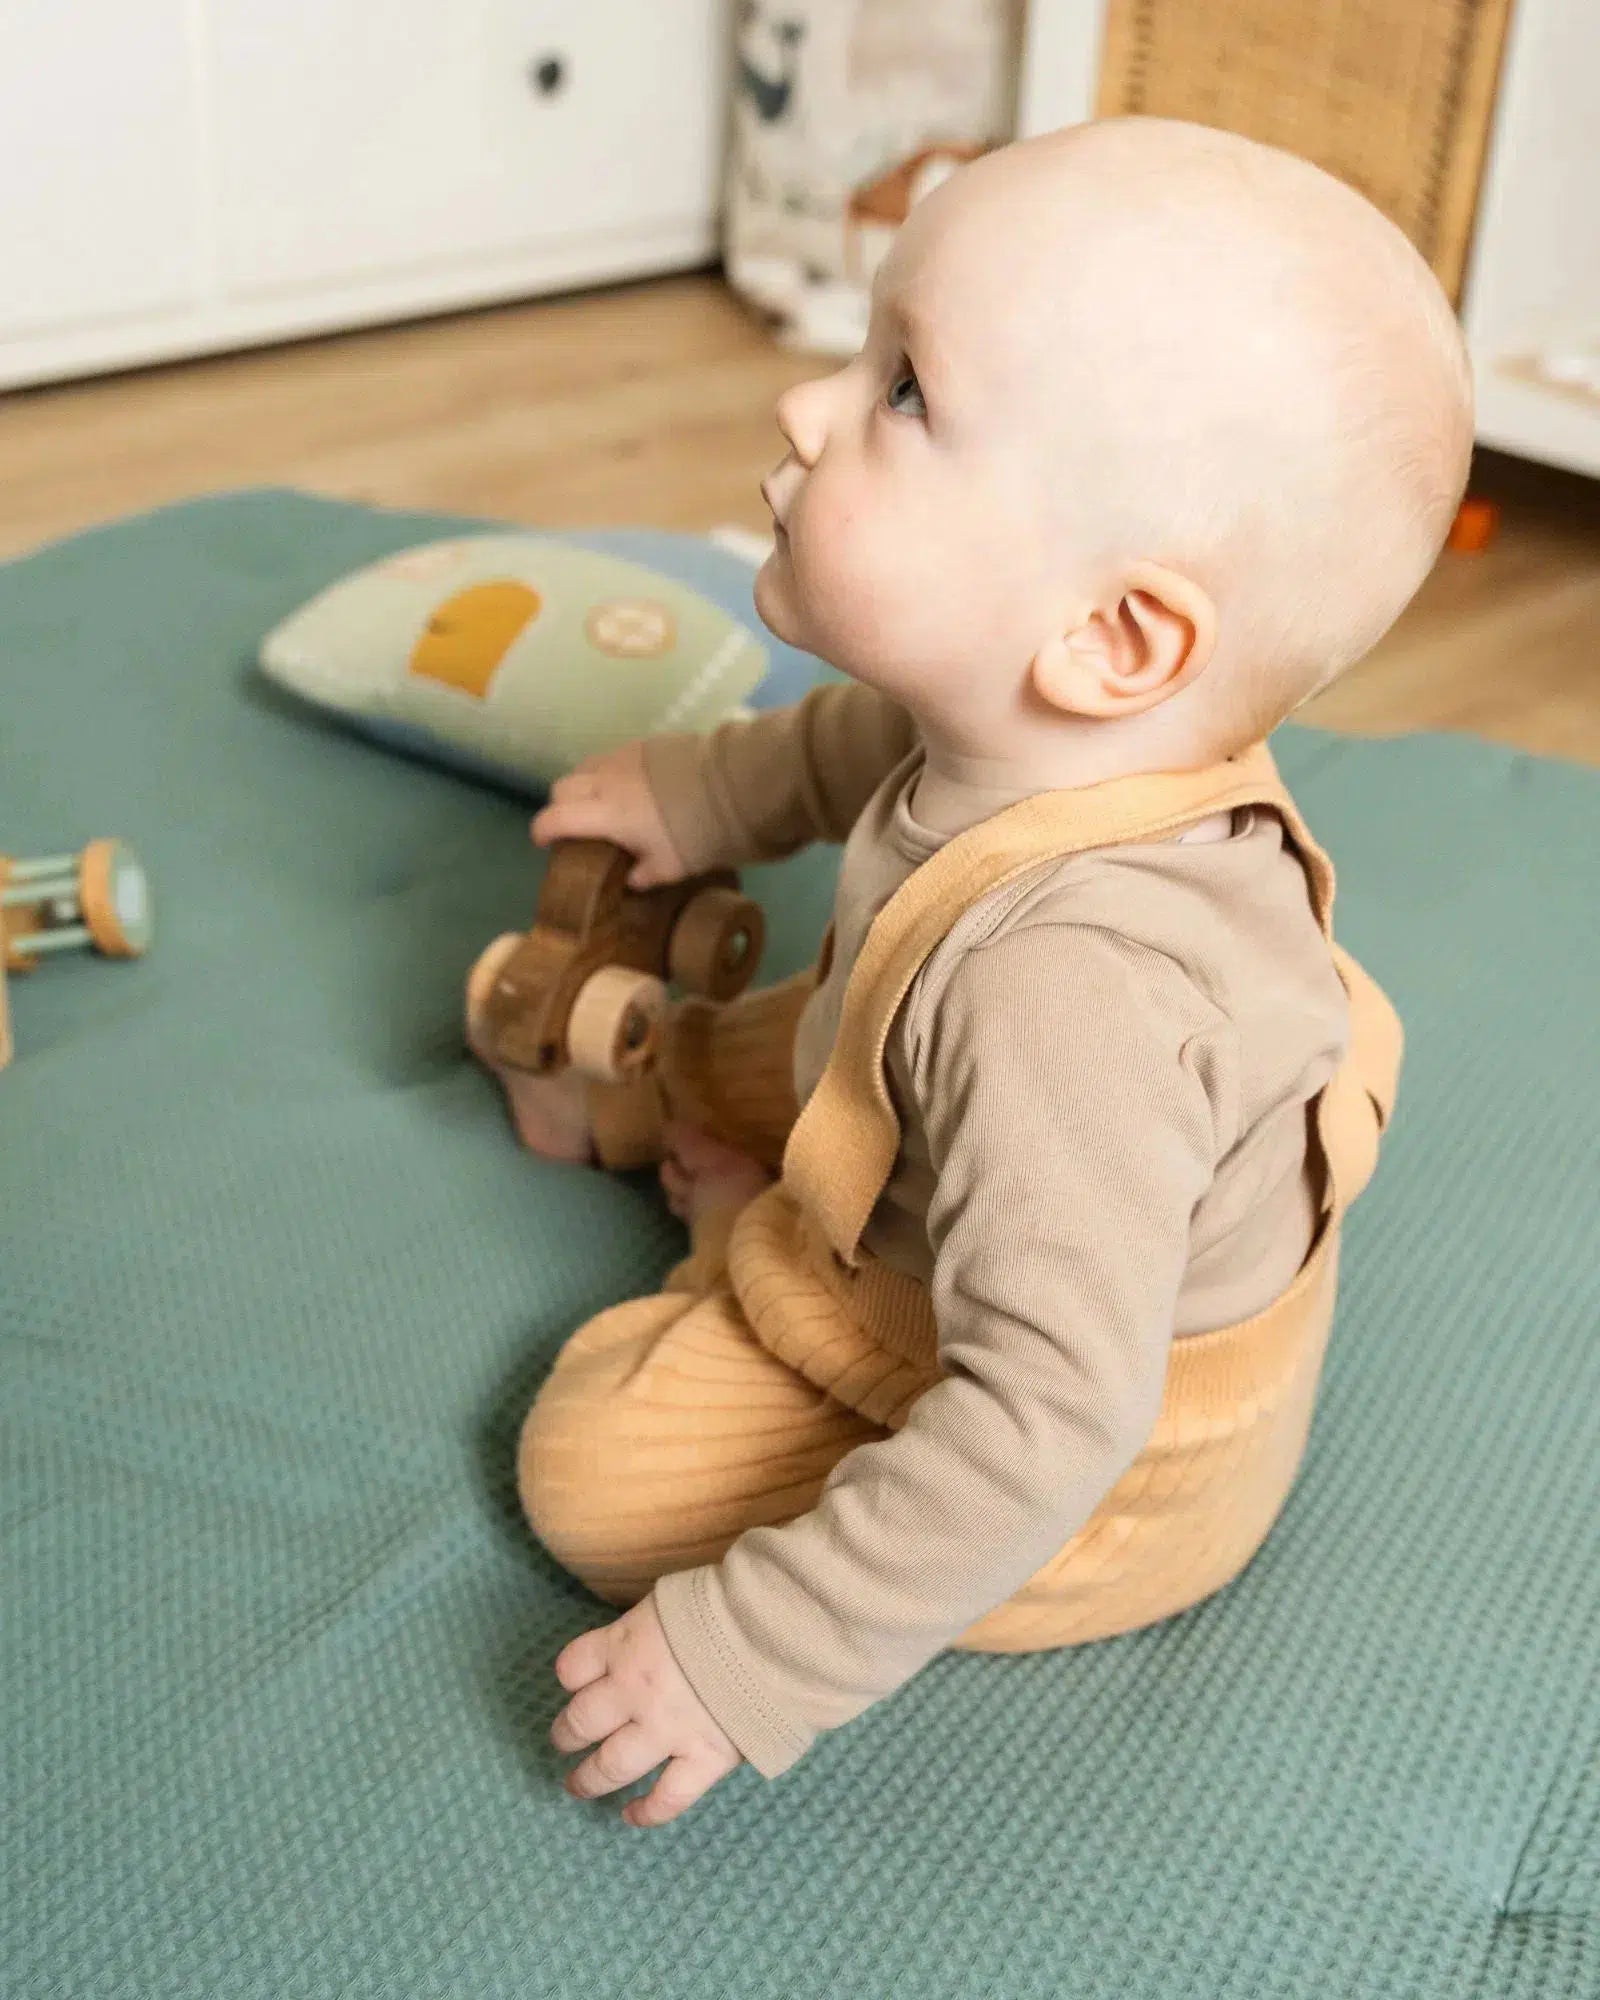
608, 797
633, 1699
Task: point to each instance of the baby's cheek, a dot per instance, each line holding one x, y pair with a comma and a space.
828, 556
877, 543
861, 601
880, 567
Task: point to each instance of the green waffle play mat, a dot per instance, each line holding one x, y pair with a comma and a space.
276, 1288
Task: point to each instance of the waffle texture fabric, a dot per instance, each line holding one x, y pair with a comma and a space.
276, 1289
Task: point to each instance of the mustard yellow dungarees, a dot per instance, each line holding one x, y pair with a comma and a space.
671, 1424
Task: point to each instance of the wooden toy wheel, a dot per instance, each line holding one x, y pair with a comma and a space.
114, 898
16, 921
716, 944
615, 1024
481, 979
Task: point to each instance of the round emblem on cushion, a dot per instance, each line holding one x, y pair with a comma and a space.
631, 628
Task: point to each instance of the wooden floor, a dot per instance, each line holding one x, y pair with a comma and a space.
653, 404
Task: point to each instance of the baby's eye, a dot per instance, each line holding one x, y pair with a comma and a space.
905, 396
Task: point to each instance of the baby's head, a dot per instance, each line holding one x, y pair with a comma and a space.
1155, 428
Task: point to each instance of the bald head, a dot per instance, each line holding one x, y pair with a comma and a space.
1204, 353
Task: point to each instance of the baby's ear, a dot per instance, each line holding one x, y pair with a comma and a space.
1130, 653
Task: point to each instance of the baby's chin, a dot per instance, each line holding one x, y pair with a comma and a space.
775, 597
781, 603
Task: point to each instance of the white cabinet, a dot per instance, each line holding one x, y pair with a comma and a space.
192, 174
98, 201
353, 137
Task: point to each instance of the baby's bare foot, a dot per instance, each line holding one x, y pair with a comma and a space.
550, 1113
700, 1174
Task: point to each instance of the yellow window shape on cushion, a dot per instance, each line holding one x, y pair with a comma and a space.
468, 635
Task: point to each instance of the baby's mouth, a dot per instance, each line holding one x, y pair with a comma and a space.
780, 533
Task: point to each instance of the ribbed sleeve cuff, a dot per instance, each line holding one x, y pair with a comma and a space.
720, 1672
674, 767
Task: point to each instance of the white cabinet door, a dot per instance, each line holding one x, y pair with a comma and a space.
97, 162
375, 136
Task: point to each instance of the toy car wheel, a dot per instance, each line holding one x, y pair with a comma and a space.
716, 944
114, 896
480, 982
615, 1025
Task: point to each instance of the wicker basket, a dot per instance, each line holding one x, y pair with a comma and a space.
1394, 96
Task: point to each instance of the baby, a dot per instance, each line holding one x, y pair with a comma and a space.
1155, 431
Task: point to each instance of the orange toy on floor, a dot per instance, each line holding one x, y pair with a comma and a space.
98, 899
1476, 524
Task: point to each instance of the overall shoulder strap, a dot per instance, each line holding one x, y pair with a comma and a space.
843, 1146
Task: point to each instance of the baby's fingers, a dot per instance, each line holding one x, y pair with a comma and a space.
652, 871
583, 1659
624, 1756
681, 1784
677, 1187
581, 818
592, 1714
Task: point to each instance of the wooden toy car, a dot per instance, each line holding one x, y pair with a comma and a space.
65, 902
587, 985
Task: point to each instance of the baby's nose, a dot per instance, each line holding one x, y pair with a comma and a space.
802, 417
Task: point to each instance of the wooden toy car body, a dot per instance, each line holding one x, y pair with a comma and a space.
587, 985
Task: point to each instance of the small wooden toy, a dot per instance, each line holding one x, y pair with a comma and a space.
587, 985
70, 902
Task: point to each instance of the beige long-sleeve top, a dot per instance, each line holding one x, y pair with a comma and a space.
1102, 1077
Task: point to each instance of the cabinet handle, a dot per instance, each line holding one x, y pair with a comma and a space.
548, 74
